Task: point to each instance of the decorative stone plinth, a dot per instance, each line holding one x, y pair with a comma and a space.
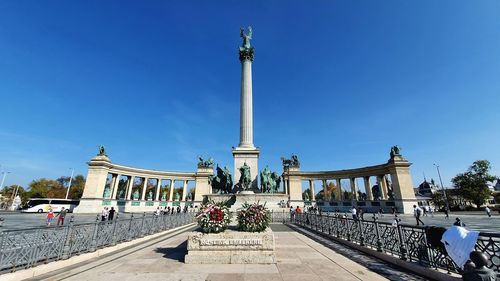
231, 246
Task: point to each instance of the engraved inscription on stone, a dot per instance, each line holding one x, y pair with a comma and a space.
230, 242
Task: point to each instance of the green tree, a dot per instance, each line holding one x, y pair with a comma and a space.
77, 186
437, 200
472, 185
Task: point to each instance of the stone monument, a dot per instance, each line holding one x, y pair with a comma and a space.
246, 152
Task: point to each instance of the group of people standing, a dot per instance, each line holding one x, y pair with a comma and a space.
51, 216
108, 214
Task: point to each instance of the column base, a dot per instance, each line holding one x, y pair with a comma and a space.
251, 157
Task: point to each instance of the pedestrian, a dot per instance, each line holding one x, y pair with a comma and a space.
354, 213
178, 209
393, 210
111, 214
424, 208
417, 212
292, 213
61, 215
488, 211
104, 214
157, 212
381, 212
50, 217
298, 210
395, 221
446, 213
458, 222
168, 210
431, 211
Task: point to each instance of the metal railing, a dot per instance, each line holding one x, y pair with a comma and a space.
26, 248
407, 242
280, 216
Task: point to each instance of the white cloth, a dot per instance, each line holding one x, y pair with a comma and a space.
416, 211
459, 243
353, 211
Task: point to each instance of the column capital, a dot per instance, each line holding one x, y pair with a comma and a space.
246, 54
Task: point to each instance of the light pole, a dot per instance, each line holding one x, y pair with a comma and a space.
70, 180
442, 187
3, 179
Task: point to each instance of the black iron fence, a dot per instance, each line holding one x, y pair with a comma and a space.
404, 241
29, 247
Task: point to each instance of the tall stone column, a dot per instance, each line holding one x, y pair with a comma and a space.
130, 184
325, 191
353, 188
184, 190
339, 190
246, 152
144, 187
116, 184
157, 194
171, 195
368, 188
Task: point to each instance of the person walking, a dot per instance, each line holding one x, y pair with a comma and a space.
104, 214
157, 212
488, 211
354, 213
111, 214
61, 215
417, 212
50, 217
446, 213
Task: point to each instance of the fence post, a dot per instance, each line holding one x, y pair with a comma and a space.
67, 242
379, 241
402, 248
348, 230
141, 234
361, 234
337, 228
93, 244
131, 234
113, 235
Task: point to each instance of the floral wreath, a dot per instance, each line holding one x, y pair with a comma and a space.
213, 217
254, 217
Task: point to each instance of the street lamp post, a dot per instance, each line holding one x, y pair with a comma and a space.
3, 179
442, 187
70, 180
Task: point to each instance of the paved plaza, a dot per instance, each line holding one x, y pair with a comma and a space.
298, 258
473, 220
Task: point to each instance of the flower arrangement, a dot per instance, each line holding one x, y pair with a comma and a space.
253, 217
213, 217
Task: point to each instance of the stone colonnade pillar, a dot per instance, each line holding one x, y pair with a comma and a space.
369, 195
157, 193
171, 195
116, 184
354, 192
144, 187
339, 190
325, 191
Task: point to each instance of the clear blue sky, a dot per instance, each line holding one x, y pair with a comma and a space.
336, 82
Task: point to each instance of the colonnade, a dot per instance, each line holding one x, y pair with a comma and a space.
113, 185
398, 194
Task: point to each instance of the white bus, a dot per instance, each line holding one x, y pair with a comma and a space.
42, 205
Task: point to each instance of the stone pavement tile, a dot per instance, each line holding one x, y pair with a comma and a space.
261, 268
294, 269
225, 277
212, 268
263, 277
288, 260
337, 277
301, 277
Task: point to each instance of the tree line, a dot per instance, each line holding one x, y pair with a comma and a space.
46, 188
